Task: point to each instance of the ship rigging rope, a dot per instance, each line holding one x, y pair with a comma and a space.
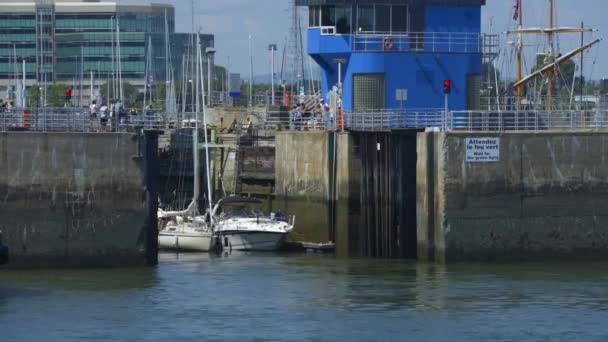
557, 46
597, 51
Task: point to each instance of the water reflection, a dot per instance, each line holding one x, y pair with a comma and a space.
244, 296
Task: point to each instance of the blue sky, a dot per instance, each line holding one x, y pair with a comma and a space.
268, 22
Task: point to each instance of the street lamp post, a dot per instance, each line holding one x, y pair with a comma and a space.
210, 52
272, 48
340, 61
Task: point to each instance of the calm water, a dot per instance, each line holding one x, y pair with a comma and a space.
307, 297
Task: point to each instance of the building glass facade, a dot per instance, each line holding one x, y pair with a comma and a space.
62, 40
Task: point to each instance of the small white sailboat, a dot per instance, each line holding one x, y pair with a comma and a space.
242, 228
184, 234
187, 231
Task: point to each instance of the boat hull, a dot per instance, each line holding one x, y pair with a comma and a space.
185, 242
252, 241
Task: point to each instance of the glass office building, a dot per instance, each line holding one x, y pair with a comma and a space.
67, 40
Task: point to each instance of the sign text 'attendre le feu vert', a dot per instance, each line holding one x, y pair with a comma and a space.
482, 150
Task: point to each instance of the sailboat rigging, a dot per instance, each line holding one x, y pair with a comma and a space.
552, 62
189, 231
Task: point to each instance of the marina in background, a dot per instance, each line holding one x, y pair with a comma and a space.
396, 149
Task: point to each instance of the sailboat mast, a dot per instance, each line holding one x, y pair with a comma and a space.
167, 76
582, 62
195, 142
207, 164
550, 59
519, 51
119, 59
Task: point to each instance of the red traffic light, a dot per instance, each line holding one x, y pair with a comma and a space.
68, 91
447, 87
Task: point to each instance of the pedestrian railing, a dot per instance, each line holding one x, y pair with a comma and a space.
419, 41
80, 120
527, 120
77, 120
381, 120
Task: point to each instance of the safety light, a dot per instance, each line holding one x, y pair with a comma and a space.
447, 87
68, 94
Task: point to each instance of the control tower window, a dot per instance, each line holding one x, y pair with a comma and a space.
383, 18
328, 16
343, 19
400, 19
365, 18
314, 16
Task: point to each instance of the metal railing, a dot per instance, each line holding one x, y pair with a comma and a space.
77, 120
386, 120
381, 120
419, 41
527, 120
559, 103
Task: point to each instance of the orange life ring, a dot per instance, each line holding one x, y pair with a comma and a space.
388, 43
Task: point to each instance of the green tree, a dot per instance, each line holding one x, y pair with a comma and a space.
130, 93
33, 96
219, 79
55, 96
565, 72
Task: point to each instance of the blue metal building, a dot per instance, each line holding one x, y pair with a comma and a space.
397, 53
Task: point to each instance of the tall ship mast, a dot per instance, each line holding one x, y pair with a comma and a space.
551, 62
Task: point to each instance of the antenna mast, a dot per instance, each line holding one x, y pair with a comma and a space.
520, 45
550, 55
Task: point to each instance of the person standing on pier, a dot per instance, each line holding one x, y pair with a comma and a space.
93, 115
119, 113
103, 116
297, 117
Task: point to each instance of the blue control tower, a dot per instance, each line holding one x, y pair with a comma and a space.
393, 54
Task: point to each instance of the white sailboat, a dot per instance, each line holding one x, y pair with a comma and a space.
187, 231
242, 228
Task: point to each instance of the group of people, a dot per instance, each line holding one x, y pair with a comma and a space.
318, 117
113, 116
7, 105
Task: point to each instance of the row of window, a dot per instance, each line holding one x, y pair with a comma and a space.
83, 23
17, 16
7, 67
14, 23
12, 30
85, 44
126, 76
349, 19
105, 66
100, 36
14, 37
20, 52
98, 51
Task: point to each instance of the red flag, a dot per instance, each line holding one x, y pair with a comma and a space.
516, 10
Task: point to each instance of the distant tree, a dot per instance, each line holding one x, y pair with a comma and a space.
55, 96
578, 84
33, 96
130, 93
565, 72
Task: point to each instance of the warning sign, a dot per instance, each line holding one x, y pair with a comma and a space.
482, 150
